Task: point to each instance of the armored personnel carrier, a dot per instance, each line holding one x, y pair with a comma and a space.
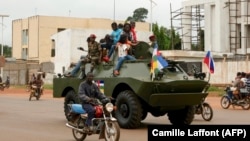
173, 93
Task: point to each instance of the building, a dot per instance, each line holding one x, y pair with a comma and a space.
226, 24
31, 37
35, 39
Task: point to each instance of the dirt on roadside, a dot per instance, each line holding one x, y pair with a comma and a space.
22, 90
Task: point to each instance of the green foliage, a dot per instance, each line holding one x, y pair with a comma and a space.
7, 50
200, 45
167, 37
139, 15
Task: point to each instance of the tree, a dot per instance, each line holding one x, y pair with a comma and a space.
200, 45
165, 39
7, 50
140, 14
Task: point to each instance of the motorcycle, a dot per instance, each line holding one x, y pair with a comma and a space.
35, 92
103, 123
203, 107
229, 99
5, 84
205, 110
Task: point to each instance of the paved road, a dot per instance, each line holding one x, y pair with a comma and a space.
41, 120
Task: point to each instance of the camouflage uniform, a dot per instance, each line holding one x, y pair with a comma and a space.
94, 56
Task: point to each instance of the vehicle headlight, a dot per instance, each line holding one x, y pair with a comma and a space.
109, 107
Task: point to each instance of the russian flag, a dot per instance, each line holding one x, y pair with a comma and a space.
157, 62
209, 61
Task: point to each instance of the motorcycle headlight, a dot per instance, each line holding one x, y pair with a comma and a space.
109, 107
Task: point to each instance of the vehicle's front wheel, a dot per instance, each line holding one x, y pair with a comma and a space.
225, 102
70, 98
207, 112
129, 110
182, 117
112, 131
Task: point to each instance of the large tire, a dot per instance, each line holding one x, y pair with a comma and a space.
182, 117
207, 112
129, 110
70, 98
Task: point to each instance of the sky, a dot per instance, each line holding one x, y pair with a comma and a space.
110, 9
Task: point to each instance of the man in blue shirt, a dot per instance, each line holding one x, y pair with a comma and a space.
116, 34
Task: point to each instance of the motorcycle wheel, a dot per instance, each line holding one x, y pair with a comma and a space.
79, 136
225, 102
37, 94
207, 112
38, 97
112, 131
31, 95
246, 104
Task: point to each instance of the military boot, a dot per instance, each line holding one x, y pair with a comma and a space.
82, 75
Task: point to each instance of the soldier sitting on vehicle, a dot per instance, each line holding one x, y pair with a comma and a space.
94, 57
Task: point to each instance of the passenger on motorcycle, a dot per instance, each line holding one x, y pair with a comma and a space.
88, 91
237, 85
39, 82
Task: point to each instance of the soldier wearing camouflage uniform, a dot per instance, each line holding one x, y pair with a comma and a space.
94, 54
94, 57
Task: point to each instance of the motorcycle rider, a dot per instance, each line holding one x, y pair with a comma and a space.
39, 82
237, 84
88, 92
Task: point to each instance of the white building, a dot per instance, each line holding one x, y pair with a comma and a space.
226, 25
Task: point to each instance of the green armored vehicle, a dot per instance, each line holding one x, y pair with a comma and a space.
173, 93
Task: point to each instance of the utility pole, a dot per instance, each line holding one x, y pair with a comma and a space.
114, 10
151, 15
2, 42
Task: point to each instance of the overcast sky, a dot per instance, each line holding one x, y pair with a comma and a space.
20, 9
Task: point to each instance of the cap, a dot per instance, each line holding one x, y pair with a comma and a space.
152, 37
92, 36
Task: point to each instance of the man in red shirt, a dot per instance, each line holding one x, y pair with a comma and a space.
132, 23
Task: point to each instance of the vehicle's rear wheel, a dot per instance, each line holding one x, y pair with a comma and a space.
70, 98
246, 104
129, 110
182, 117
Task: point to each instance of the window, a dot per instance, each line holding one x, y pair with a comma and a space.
60, 29
53, 53
24, 53
25, 37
